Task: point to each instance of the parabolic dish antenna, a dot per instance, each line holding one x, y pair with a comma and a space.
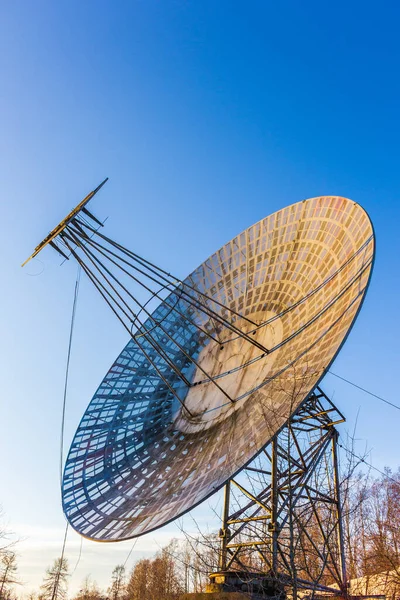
218, 368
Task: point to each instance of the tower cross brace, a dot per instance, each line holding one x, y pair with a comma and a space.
282, 515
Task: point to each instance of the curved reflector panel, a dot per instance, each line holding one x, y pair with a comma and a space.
140, 458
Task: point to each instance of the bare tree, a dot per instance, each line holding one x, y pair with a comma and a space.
7, 537
8, 570
138, 582
164, 581
159, 578
381, 534
89, 590
55, 582
117, 588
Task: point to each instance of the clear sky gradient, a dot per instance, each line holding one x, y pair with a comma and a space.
206, 116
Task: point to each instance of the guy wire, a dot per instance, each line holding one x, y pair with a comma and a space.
76, 291
130, 551
364, 390
386, 475
79, 556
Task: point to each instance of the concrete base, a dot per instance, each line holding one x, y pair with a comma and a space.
254, 585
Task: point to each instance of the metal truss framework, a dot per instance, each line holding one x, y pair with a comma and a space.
284, 524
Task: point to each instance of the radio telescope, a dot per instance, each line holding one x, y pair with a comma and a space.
218, 368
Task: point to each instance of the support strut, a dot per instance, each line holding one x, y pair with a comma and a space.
282, 517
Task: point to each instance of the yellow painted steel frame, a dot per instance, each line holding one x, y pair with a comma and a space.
295, 505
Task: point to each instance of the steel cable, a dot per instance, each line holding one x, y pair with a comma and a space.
76, 292
364, 390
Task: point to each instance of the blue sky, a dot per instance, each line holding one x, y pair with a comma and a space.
206, 116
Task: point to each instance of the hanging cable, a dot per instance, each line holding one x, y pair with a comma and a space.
364, 390
74, 304
369, 464
76, 291
130, 551
79, 556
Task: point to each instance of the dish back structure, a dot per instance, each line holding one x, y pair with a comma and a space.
217, 369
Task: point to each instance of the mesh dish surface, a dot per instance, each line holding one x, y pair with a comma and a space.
138, 460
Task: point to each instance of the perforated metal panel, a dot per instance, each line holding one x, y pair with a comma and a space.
138, 460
